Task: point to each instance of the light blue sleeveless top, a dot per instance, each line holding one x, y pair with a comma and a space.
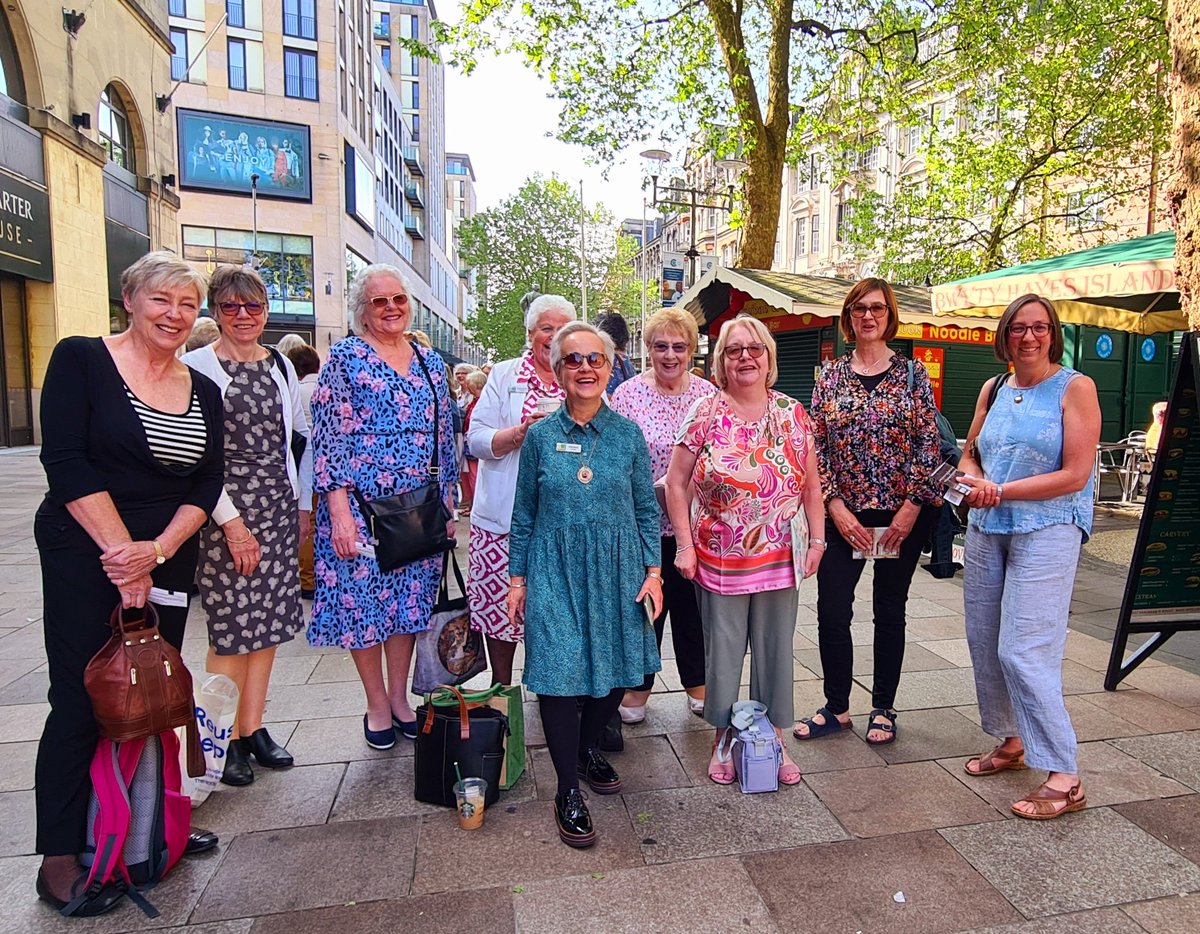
1022, 439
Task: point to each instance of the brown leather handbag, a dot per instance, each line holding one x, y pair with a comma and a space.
140, 687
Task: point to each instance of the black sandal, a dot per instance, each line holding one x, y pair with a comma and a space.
889, 728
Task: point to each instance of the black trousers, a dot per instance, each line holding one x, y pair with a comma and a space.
687, 632
837, 578
78, 600
572, 726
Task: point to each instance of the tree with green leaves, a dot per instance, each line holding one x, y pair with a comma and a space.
1184, 192
530, 241
773, 80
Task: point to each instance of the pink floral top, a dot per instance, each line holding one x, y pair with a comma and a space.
660, 417
749, 480
535, 390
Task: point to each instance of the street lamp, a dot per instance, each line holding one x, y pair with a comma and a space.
682, 196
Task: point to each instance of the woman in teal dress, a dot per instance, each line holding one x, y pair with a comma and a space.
584, 554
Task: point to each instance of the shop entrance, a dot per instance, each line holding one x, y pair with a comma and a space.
16, 412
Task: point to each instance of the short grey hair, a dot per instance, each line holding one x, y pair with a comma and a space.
465, 368
290, 342
579, 327
162, 269
544, 304
204, 332
356, 298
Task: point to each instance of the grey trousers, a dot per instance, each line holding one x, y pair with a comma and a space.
1017, 593
764, 622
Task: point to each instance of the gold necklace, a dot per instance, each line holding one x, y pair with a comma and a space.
868, 368
584, 474
1020, 396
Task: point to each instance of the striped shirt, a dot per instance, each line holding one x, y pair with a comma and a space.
175, 440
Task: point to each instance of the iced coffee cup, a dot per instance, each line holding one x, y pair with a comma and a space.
470, 793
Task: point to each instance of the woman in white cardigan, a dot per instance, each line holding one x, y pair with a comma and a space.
249, 573
518, 393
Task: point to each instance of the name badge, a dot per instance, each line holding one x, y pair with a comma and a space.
564, 448
518, 389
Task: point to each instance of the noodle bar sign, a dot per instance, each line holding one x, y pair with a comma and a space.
24, 229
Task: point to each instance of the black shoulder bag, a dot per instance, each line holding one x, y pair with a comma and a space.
410, 526
299, 442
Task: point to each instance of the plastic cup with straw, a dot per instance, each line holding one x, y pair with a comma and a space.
470, 794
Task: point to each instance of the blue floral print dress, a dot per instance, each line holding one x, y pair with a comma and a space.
373, 431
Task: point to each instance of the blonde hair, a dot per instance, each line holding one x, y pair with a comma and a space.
162, 270
671, 319
761, 334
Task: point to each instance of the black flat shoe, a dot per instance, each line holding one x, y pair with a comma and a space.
611, 737
574, 821
103, 901
601, 777
406, 728
199, 841
267, 751
379, 739
237, 764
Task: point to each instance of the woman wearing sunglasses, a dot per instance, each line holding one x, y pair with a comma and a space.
381, 405
584, 555
877, 443
1030, 457
658, 400
748, 450
249, 554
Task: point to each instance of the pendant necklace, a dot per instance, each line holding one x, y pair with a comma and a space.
1020, 396
584, 474
863, 363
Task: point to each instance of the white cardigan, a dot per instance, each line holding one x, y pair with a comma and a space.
499, 407
204, 360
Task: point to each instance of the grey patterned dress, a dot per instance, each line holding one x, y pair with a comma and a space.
262, 610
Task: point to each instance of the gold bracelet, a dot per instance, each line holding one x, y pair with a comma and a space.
654, 574
514, 586
238, 541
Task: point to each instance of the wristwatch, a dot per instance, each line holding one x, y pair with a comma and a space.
159, 557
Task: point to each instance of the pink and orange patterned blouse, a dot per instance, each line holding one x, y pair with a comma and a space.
749, 480
660, 417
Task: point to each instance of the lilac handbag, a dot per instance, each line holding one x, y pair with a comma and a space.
757, 754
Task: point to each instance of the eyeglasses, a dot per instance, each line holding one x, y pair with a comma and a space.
663, 347
573, 361
736, 350
1040, 329
254, 309
859, 310
381, 302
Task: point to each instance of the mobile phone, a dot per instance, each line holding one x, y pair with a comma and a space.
648, 606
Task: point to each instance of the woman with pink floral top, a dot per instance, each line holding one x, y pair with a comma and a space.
748, 451
658, 400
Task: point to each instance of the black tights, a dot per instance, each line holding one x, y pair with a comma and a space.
572, 726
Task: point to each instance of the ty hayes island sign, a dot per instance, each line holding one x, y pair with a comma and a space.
24, 229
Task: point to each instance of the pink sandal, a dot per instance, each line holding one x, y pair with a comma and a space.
721, 771
789, 774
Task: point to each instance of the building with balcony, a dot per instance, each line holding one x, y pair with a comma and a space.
87, 178
461, 204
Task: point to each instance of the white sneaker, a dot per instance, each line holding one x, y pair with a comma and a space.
632, 714
695, 705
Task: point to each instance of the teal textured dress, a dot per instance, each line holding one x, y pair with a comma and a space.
583, 549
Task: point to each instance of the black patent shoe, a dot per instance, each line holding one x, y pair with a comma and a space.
237, 764
85, 906
199, 841
601, 777
611, 737
267, 751
574, 821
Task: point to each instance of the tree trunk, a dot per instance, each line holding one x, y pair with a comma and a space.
764, 186
1183, 192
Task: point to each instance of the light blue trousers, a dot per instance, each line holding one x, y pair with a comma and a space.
1017, 593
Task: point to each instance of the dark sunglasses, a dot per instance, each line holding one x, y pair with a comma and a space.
382, 301
254, 309
573, 361
755, 350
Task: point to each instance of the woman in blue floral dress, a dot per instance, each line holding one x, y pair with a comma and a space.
373, 431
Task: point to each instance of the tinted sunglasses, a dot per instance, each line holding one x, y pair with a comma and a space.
254, 309
573, 361
382, 301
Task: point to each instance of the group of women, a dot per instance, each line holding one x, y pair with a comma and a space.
161, 470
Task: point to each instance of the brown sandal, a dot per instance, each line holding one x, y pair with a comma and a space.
996, 761
1045, 799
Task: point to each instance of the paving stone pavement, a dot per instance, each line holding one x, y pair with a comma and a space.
338, 844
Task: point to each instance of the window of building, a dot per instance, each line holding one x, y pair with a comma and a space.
285, 262
814, 242
300, 74
237, 65
300, 19
814, 172
416, 127
415, 95
383, 28
799, 241
1085, 210
385, 53
177, 7
839, 223
237, 13
179, 57
114, 129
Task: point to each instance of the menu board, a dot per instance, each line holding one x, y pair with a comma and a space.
1162, 593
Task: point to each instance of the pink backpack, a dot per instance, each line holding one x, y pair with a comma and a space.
139, 819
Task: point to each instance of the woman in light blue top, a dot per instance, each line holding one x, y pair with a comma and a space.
1030, 453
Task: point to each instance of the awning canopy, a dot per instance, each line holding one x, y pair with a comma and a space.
1127, 286
796, 294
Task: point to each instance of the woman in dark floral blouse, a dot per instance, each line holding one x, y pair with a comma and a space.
877, 443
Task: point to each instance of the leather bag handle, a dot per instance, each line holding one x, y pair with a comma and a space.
464, 721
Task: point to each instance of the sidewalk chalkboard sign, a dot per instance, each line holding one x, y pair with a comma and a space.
1162, 593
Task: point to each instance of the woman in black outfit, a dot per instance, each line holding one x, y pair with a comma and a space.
132, 446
